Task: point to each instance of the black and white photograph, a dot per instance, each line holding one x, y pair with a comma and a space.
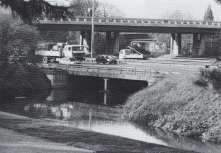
110, 76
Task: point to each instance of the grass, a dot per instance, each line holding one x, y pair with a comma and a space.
176, 104
79, 138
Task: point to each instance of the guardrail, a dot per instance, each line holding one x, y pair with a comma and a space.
135, 20
102, 69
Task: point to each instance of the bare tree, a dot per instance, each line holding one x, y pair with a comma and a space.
177, 15
108, 10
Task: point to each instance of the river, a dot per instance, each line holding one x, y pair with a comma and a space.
83, 104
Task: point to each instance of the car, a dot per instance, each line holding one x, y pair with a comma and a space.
106, 59
69, 61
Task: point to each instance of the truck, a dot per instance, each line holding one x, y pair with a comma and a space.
130, 53
55, 52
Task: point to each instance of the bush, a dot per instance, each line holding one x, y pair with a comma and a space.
174, 104
212, 77
22, 80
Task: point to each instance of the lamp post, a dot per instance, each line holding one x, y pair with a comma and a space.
92, 31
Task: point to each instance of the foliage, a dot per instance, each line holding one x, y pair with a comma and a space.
80, 7
210, 76
16, 39
22, 80
208, 16
174, 104
218, 1
32, 9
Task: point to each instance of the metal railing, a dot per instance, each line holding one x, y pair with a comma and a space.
101, 69
135, 20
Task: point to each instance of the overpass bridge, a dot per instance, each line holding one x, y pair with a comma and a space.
199, 29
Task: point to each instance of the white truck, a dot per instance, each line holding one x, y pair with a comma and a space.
130, 53
61, 50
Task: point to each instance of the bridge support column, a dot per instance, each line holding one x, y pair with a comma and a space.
175, 44
198, 47
105, 91
116, 42
85, 39
108, 42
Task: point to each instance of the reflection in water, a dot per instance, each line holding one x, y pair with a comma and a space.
103, 119
81, 105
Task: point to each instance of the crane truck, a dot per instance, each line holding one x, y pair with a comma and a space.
130, 53
54, 53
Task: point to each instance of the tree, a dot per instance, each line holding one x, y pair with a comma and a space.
108, 10
29, 10
16, 38
177, 15
208, 16
81, 7
218, 1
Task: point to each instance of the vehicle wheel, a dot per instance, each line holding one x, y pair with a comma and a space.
97, 62
103, 63
45, 60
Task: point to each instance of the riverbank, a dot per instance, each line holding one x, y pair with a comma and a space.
48, 129
176, 105
16, 142
22, 80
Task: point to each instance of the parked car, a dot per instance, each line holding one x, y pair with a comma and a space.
69, 61
106, 59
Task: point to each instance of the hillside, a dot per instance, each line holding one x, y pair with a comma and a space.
177, 105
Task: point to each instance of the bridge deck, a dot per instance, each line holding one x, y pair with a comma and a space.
144, 74
133, 25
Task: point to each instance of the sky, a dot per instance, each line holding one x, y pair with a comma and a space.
156, 9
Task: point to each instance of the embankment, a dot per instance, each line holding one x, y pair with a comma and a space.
18, 80
177, 105
51, 130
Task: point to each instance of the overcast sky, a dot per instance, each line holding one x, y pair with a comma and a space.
156, 9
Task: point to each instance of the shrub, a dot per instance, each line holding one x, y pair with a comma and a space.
22, 80
212, 77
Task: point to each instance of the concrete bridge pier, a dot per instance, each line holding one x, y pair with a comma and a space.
105, 90
108, 42
112, 44
175, 44
116, 42
85, 39
198, 47
58, 78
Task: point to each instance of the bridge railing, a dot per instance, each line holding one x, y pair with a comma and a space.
135, 20
102, 69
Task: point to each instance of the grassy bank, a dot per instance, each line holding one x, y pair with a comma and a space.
21, 80
176, 104
47, 129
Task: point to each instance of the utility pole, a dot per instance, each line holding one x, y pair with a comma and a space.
92, 31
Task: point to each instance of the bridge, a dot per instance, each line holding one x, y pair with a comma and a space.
199, 29
57, 73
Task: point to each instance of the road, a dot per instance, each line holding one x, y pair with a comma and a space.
177, 65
